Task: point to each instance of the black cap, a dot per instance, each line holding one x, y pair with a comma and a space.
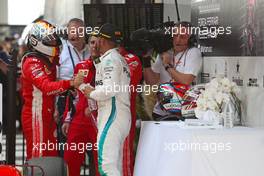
109, 31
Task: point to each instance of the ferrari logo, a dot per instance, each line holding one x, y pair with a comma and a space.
84, 72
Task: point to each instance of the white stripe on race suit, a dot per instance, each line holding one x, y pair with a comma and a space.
37, 123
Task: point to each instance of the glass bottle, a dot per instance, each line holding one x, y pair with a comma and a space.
228, 113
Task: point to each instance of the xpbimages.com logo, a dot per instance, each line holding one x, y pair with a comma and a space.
116, 88
81, 31
211, 31
78, 147
64, 31
212, 147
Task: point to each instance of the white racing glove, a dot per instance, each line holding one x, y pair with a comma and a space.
83, 86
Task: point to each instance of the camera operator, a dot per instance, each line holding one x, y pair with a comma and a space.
181, 65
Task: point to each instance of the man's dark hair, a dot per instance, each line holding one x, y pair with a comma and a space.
193, 41
76, 20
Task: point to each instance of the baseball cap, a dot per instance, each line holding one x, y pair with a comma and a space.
110, 32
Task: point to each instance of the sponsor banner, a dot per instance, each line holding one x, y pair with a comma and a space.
229, 28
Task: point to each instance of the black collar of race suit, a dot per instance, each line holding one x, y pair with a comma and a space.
99, 59
40, 56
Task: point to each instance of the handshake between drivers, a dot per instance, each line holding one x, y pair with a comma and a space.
78, 83
77, 80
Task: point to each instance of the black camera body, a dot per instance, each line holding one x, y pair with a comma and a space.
159, 39
144, 40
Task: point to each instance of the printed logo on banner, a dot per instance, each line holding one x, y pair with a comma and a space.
252, 82
237, 78
221, 35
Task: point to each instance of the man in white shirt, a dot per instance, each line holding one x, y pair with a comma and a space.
74, 48
74, 51
182, 65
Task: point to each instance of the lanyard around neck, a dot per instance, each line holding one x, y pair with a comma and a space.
72, 60
185, 51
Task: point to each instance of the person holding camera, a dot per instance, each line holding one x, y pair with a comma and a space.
181, 65
74, 51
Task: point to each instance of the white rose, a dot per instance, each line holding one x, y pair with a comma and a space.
226, 97
227, 88
219, 98
212, 105
201, 102
235, 88
209, 93
213, 84
226, 85
225, 81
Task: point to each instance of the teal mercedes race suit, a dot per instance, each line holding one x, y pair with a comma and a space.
114, 117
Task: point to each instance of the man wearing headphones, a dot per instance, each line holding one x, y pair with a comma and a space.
182, 65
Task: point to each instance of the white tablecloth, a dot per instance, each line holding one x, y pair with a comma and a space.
166, 150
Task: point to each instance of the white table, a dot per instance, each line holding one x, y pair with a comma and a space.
167, 150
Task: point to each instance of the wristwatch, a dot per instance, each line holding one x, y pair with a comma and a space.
167, 66
146, 62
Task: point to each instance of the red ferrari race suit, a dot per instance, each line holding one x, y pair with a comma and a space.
82, 131
39, 88
135, 68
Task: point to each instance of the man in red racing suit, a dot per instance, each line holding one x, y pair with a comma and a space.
81, 128
135, 68
39, 88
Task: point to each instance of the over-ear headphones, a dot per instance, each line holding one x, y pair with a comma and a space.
193, 40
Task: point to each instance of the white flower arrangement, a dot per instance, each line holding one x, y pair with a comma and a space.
218, 92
